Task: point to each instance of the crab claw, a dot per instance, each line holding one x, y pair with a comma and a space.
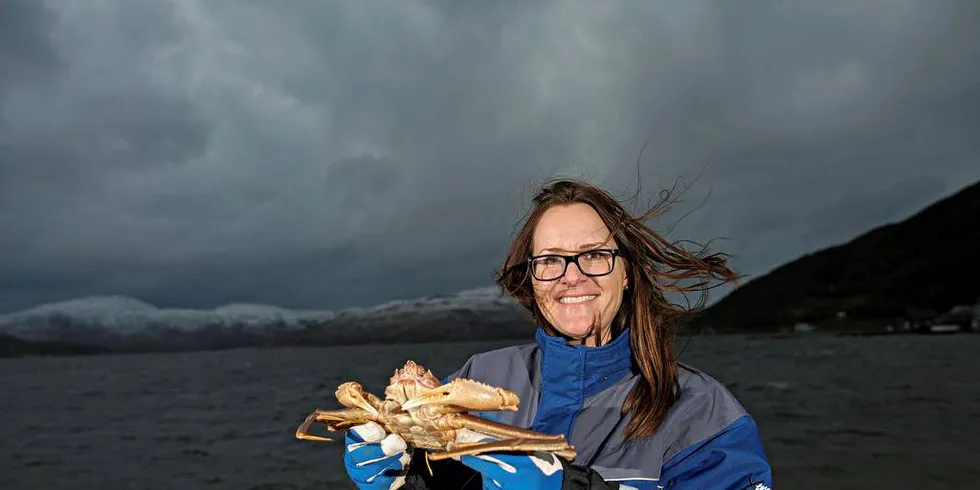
468, 395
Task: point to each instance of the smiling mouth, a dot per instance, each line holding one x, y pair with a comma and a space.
568, 300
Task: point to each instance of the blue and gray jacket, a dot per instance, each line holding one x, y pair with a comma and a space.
707, 441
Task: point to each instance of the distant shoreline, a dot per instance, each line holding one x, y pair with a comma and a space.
13, 347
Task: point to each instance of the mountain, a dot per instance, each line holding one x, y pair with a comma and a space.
124, 324
925, 262
473, 315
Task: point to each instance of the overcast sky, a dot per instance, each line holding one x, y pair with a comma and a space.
325, 154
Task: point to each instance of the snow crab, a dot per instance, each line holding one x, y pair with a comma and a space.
432, 416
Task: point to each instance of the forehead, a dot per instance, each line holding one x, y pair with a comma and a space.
569, 227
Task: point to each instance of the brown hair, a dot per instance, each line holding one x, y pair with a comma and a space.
653, 267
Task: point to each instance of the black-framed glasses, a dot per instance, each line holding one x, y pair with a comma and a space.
594, 263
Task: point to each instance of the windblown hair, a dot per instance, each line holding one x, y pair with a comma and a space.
653, 267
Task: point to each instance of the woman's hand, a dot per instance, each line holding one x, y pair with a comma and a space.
537, 471
374, 459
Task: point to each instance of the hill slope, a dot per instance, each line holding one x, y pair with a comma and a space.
927, 261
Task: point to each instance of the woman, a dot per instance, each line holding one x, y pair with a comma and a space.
602, 370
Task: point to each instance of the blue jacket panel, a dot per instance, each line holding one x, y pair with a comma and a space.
707, 439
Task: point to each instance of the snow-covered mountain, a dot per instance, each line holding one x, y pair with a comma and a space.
122, 315
126, 323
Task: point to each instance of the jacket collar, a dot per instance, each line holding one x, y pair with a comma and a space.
579, 370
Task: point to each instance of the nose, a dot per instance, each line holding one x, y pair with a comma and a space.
572, 274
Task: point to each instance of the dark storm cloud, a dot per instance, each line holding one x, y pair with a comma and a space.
192, 153
25, 54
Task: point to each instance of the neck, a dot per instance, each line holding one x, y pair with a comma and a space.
590, 339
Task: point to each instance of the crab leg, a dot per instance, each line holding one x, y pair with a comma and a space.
361, 406
352, 394
524, 444
335, 420
510, 438
493, 429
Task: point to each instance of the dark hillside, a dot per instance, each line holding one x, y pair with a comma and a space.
928, 261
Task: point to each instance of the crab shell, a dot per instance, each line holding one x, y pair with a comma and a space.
409, 382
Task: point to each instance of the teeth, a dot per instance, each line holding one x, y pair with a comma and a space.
577, 299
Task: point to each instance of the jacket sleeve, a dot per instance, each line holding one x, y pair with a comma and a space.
731, 460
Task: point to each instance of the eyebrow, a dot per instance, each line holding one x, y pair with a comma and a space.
584, 246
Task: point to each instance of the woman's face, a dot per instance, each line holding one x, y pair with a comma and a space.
575, 301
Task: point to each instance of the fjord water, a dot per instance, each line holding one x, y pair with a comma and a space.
836, 412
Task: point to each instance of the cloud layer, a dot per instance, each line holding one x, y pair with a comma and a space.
192, 153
